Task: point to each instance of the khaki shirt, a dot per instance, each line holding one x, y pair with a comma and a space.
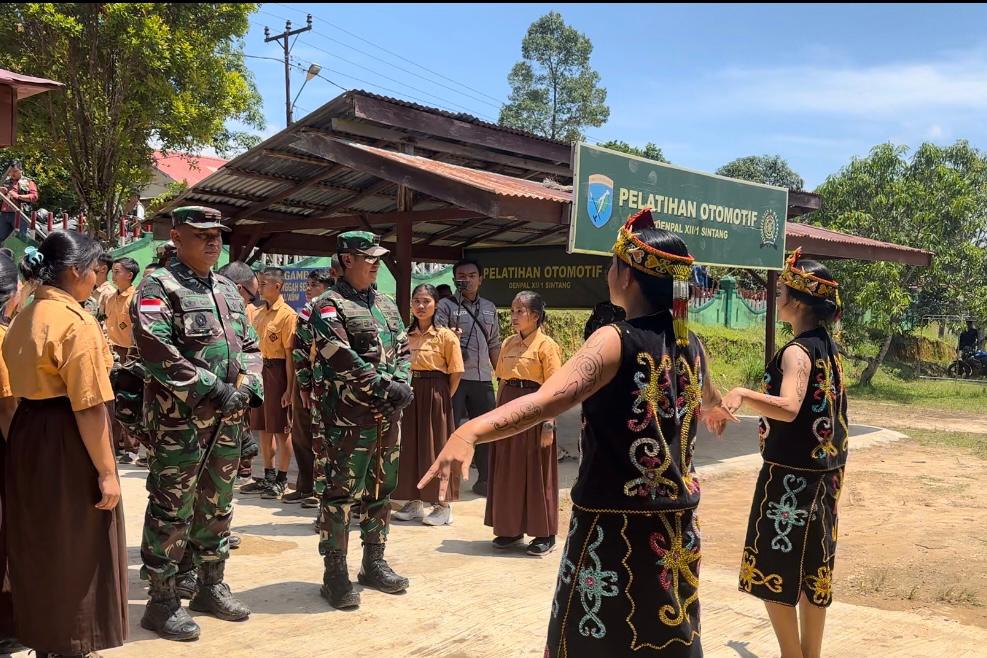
57, 350
116, 310
535, 358
5, 391
275, 326
436, 349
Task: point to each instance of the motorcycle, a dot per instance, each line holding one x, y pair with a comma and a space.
970, 364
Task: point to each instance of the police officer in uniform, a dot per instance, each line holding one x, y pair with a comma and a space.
362, 354
192, 333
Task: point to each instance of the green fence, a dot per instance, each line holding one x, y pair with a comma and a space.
726, 307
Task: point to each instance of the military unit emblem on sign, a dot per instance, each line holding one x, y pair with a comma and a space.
769, 229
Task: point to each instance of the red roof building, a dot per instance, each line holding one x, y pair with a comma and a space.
177, 167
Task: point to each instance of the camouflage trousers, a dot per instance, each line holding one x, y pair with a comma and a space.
185, 512
358, 460
321, 452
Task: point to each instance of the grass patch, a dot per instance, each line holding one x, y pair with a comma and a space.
889, 386
975, 443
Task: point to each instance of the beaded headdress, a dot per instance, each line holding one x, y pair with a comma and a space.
645, 258
796, 278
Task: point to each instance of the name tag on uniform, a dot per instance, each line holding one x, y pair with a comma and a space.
151, 306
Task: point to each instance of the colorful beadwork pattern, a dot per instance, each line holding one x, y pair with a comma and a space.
750, 575
677, 552
594, 584
786, 513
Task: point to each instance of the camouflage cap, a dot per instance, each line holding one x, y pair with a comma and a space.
198, 217
360, 242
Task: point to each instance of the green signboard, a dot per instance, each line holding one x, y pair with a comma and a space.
563, 280
724, 221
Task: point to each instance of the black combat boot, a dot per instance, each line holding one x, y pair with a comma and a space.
185, 585
376, 573
336, 585
164, 613
214, 595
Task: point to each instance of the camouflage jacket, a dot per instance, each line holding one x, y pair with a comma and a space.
178, 331
360, 346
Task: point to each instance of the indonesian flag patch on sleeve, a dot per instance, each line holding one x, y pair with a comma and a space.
328, 313
151, 305
305, 313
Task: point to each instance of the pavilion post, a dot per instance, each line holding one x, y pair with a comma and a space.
770, 320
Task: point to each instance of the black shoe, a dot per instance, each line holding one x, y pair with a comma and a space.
185, 584
336, 586
506, 542
540, 546
234, 542
275, 490
256, 487
164, 613
214, 596
376, 573
480, 488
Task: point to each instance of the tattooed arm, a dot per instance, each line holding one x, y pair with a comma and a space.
796, 366
589, 370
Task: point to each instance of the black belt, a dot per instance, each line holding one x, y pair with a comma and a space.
522, 383
270, 363
428, 374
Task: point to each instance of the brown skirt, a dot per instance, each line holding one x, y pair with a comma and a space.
271, 417
67, 559
523, 485
425, 427
6, 603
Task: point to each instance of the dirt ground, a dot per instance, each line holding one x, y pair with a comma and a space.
911, 569
902, 417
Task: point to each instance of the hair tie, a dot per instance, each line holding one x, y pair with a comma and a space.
34, 257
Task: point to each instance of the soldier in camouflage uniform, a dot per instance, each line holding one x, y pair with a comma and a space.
192, 334
362, 358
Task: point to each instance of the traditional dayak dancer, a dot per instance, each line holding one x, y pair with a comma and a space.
791, 536
628, 579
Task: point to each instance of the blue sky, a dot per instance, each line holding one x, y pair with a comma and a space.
815, 84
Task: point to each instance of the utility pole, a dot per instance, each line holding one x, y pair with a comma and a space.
283, 38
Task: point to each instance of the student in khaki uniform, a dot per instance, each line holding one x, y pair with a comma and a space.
68, 553
115, 311
523, 497
275, 327
436, 367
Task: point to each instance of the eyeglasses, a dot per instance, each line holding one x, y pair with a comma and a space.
371, 260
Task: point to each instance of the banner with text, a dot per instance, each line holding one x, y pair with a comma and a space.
724, 221
563, 280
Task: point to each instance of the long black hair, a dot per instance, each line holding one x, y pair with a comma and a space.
657, 290
60, 251
824, 310
429, 290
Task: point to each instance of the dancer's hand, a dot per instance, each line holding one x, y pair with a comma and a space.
547, 436
453, 461
733, 400
716, 419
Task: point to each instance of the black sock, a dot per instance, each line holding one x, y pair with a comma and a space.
282, 476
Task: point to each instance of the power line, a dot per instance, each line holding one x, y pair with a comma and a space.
387, 77
394, 54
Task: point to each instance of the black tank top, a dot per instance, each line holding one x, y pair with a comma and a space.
639, 430
817, 439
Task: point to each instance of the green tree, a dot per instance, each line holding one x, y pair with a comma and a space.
767, 169
650, 151
934, 200
134, 74
554, 91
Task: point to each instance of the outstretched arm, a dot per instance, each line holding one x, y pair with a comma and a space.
796, 366
592, 367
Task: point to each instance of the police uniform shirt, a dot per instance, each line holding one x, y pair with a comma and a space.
275, 328
435, 349
535, 358
58, 350
116, 310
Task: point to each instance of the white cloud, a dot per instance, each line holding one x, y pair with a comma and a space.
886, 90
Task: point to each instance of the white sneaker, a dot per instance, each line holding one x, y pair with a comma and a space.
439, 516
413, 510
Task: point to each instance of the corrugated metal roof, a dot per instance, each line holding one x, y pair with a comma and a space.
795, 229
486, 180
